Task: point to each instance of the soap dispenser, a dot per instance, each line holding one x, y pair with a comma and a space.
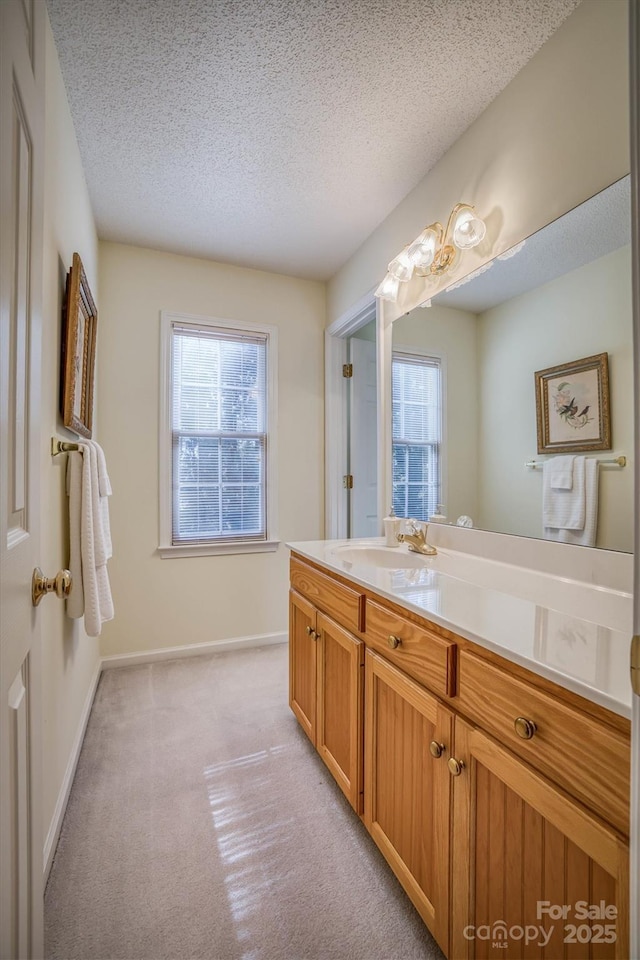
391, 529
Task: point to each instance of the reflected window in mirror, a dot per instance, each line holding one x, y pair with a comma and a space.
417, 434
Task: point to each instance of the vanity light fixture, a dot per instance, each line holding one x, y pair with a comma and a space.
434, 250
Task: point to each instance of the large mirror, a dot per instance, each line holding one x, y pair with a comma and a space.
564, 295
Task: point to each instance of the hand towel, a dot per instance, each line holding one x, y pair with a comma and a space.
564, 509
95, 541
587, 536
560, 470
75, 600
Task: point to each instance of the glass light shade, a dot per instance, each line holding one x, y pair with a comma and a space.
469, 230
401, 267
388, 289
423, 249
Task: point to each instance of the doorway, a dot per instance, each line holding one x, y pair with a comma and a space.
352, 422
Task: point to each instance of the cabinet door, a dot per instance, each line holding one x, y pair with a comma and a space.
528, 861
303, 662
340, 688
407, 789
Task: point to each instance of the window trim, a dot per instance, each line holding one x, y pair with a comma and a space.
166, 549
426, 354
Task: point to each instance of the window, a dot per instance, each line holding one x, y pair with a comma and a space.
417, 417
217, 447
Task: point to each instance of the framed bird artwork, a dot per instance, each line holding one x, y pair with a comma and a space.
572, 406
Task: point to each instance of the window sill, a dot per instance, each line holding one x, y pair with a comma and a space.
218, 549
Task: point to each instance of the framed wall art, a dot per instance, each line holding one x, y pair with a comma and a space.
80, 319
572, 406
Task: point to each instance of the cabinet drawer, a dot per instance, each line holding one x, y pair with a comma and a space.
585, 756
345, 605
420, 653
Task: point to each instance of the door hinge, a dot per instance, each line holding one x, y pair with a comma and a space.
635, 664
347, 481
347, 370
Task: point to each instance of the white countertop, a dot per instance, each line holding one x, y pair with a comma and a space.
572, 633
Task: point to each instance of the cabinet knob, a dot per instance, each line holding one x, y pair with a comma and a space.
455, 766
314, 635
436, 749
309, 631
394, 641
524, 728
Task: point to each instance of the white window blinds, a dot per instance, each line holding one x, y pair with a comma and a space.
218, 434
417, 417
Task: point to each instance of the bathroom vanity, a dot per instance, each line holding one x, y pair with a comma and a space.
482, 735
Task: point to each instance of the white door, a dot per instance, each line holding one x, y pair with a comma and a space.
363, 450
22, 24
634, 87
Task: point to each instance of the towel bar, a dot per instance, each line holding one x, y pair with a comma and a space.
619, 461
62, 446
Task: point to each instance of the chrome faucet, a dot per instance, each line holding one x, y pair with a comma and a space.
416, 538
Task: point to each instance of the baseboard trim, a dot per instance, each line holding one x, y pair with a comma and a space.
55, 826
192, 650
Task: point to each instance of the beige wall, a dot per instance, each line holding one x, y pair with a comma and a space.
164, 603
70, 658
584, 312
451, 335
556, 135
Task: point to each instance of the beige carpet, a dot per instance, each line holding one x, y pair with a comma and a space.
202, 824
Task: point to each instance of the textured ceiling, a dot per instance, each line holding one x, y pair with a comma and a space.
592, 230
277, 133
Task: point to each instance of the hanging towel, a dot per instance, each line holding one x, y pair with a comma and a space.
75, 601
586, 536
563, 509
560, 472
88, 510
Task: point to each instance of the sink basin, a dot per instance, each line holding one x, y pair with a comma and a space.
389, 558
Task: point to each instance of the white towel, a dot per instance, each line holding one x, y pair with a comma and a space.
88, 509
585, 536
75, 601
560, 472
564, 509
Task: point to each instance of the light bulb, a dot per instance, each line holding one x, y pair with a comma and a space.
469, 229
423, 249
388, 289
401, 267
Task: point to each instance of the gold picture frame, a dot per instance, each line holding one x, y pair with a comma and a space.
572, 406
79, 328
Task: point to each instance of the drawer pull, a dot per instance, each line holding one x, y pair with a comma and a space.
436, 749
393, 641
455, 766
525, 728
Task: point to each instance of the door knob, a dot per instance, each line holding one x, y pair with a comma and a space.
40, 585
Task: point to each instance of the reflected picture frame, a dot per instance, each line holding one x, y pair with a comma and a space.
79, 329
572, 406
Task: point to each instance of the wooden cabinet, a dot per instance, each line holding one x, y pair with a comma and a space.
488, 789
339, 714
587, 757
303, 663
326, 666
407, 788
522, 846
